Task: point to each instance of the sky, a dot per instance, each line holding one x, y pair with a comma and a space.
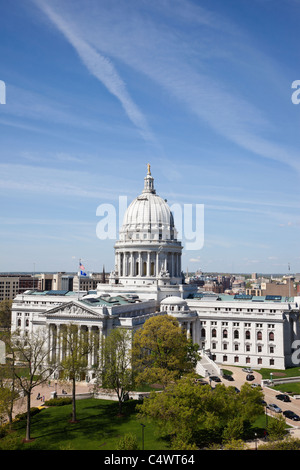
94, 90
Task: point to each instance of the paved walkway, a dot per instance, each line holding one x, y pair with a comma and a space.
45, 391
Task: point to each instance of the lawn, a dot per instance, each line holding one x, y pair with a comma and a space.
98, 428
280, 373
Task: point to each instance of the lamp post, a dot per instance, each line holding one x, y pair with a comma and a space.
143, 426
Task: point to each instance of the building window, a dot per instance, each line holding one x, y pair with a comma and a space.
236, 334
203, 333
225, 333
248, 334
214, 333
259, 335
271, 336
236, 358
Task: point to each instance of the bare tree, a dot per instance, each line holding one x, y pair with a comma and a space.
9, 392
76, 347
30, 364
115, 371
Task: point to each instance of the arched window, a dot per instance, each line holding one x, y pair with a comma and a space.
236, 334
19, 322
248, 334
271, 336
214, 333
203, 333
259, 335
225, 334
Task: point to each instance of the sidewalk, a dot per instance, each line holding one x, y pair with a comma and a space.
45, 391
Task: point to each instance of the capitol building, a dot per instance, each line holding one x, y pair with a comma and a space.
147, 280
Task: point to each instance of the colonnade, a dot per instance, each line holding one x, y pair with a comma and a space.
60, 345
148, 263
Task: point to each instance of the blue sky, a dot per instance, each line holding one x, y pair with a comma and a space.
97, 89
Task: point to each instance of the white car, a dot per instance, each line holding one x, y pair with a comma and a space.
248, 370
274, 407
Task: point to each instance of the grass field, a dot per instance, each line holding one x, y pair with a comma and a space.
98, 428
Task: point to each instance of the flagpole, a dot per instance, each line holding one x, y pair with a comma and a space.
79, 279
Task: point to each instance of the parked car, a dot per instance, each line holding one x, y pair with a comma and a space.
247, 369
283, 397
228, 377
214, 378
255, 385
273, 407
250, 377
291, 415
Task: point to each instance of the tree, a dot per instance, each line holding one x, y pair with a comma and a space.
76, 345
9, 392
277, 429
115, 371
128, 442
196, 414
32, 352
162, 352
5, 314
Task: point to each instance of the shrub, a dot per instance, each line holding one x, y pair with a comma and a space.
58, 402
128, 442
23, 416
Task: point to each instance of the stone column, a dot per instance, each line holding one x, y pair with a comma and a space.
148, 264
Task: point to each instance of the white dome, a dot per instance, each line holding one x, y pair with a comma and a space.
148, 215
173, 300
148, 210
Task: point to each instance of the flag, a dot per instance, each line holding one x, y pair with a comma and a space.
81, 269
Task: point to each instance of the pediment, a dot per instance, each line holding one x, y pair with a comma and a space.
74, 310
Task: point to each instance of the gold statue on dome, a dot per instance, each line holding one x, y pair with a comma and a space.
148, 166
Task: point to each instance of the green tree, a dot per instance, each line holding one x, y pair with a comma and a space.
277, 429
162, 352
128, 442
5, 314
115, 371
9, 391
289, 443
193, 413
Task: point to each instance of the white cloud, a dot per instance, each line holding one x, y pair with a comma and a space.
102, 68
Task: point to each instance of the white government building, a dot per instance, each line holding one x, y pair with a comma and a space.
147, 280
